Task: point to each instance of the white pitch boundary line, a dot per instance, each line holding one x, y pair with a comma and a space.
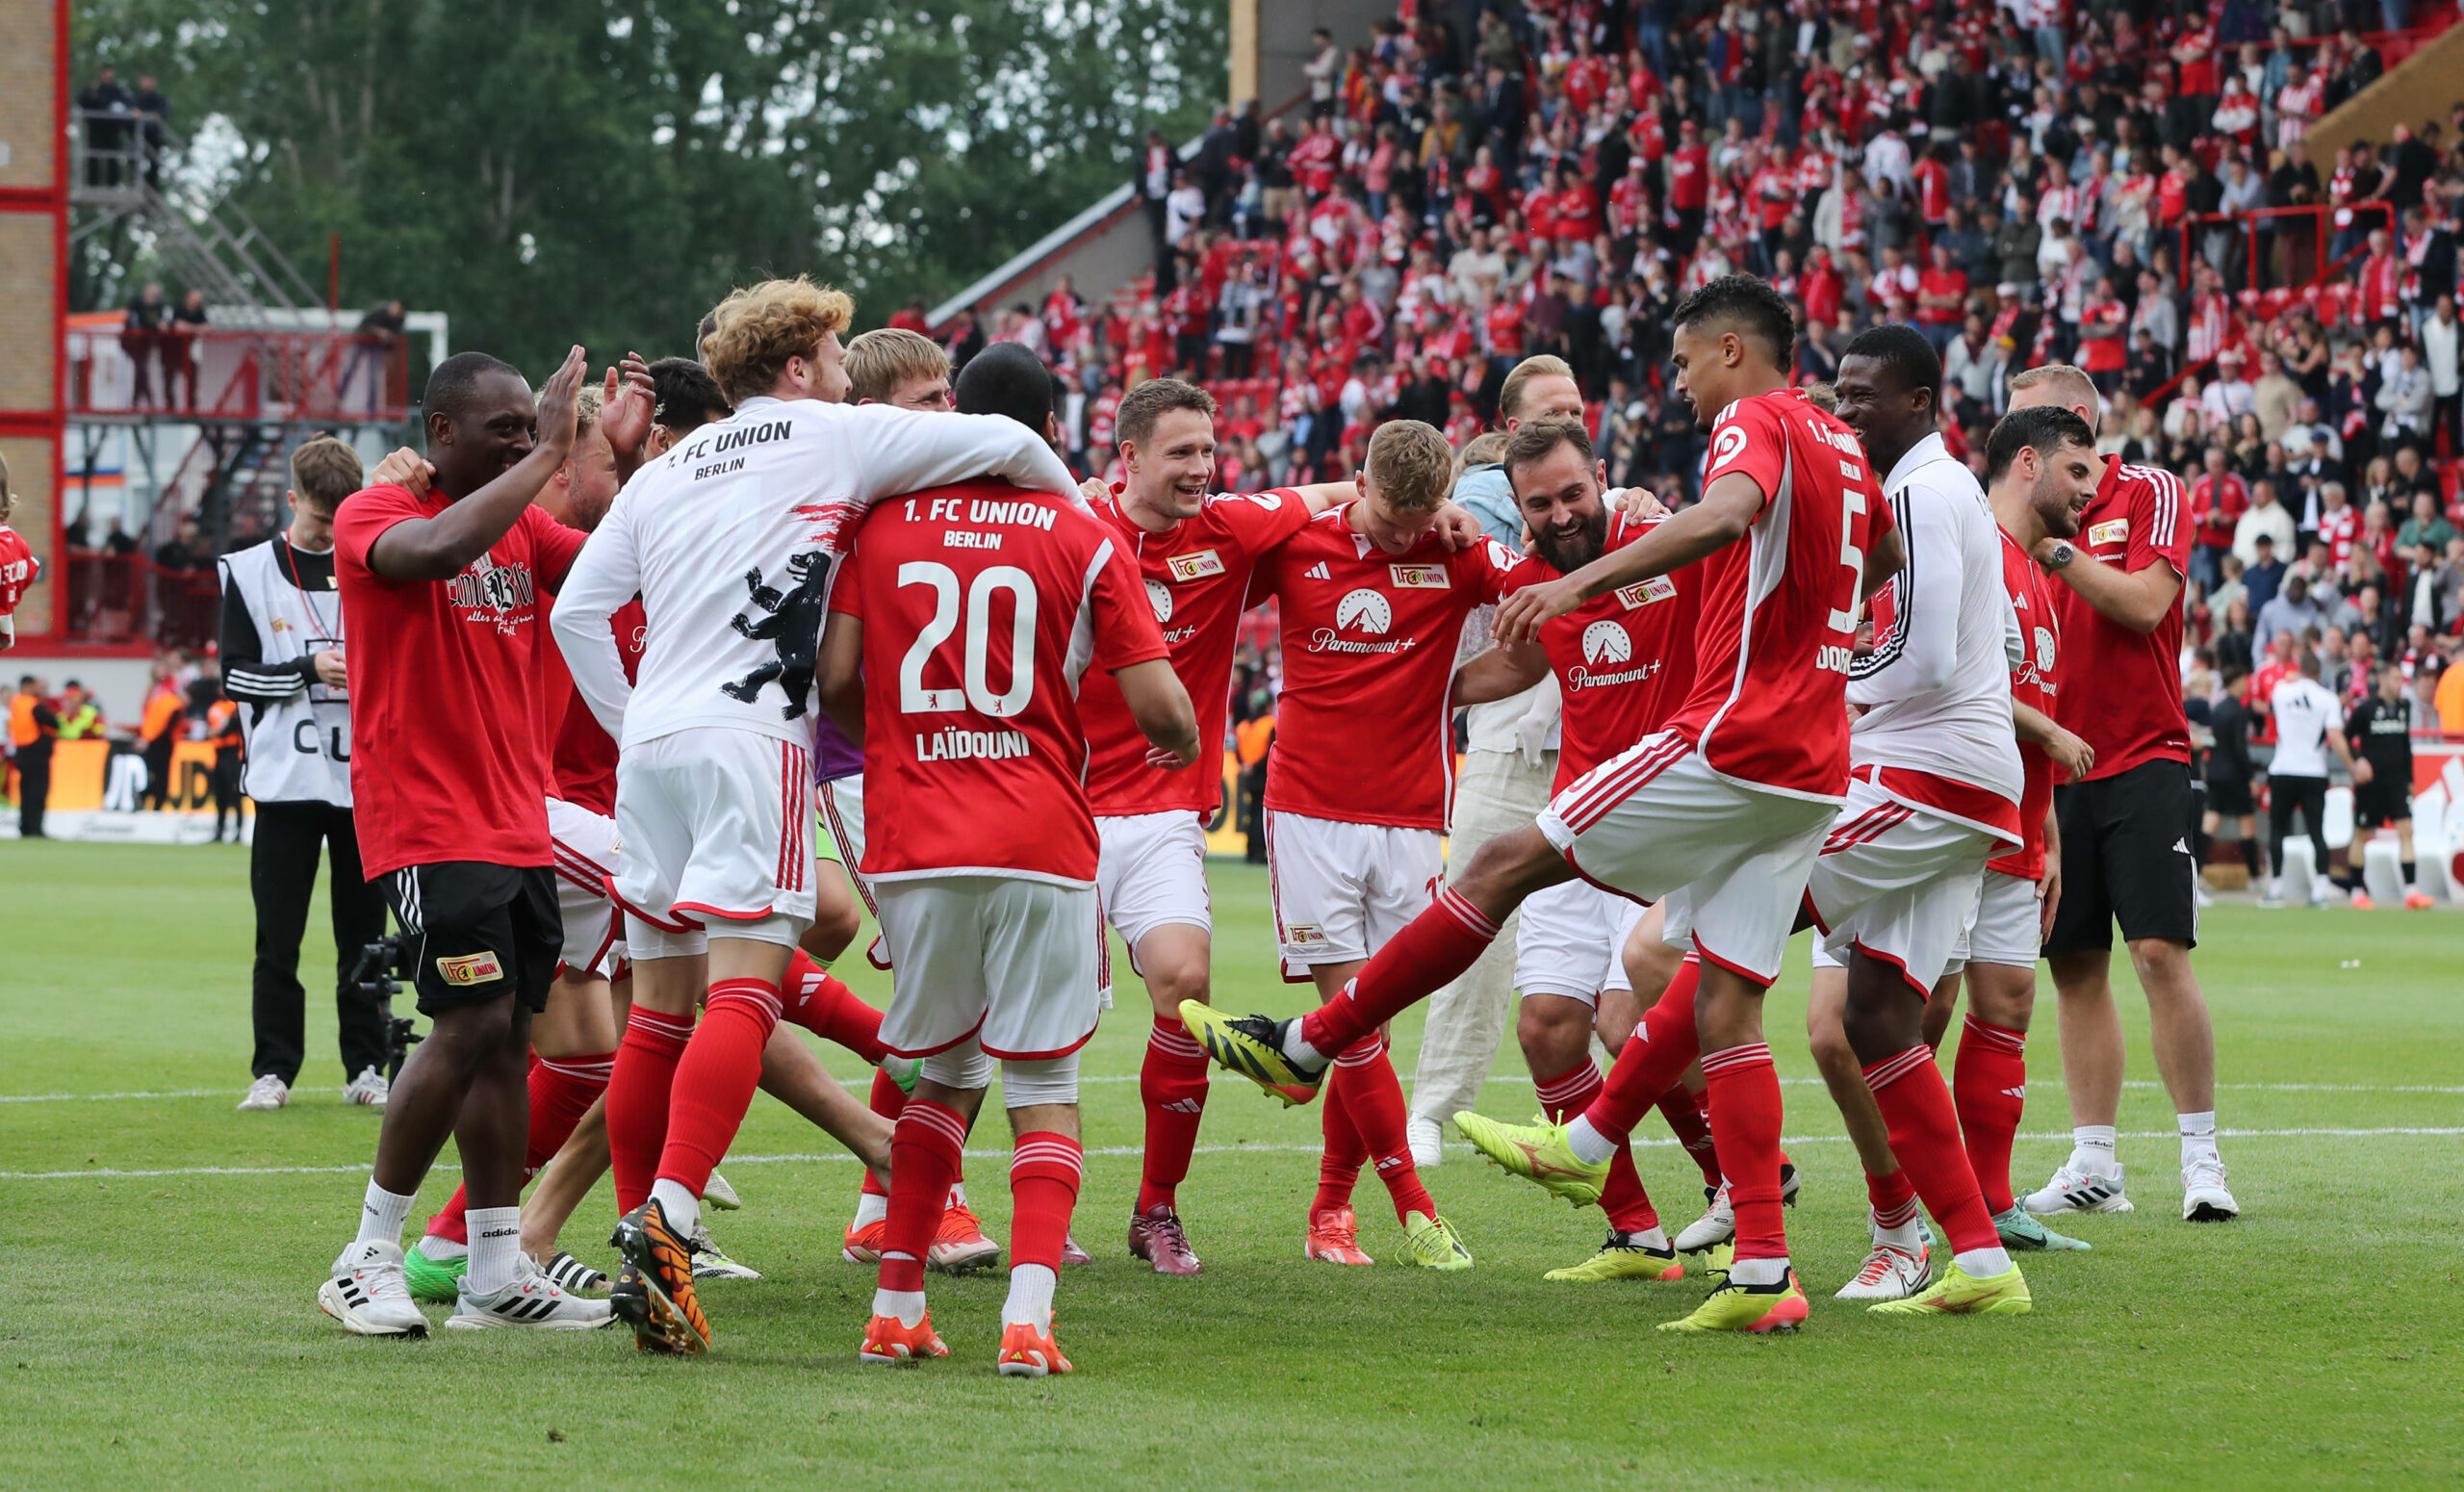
1124, 1150
1506, 1078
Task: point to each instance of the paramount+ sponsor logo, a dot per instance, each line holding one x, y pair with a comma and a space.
1606, 642
1365, 611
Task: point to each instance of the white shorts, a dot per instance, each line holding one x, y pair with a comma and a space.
1153, 873
1897, 881
1570, 942
1341, 890
2007, 926
715, 826
842, 813
1013, 962
585, 844
1655, 822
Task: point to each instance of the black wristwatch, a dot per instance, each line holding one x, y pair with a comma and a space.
2063, 555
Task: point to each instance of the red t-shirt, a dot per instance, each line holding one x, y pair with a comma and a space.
449, 740
1689, 178
1505, 328
2134, 713
18, 568
1769, 703
2216, 505
582, 762
975, 637
2035, 684
1624, 660
1942, 282
1362, 728
1197, 581
2105, 354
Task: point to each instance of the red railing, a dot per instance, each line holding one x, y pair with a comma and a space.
214, 374
2334, 302
128, 598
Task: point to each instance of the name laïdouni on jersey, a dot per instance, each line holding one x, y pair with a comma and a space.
952, 744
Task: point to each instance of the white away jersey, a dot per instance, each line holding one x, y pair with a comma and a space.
1937, 688
727, 538
2304, 711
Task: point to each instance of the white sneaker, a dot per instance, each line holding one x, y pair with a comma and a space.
2204, 1199
718, 1194
369, 1089
266, 1093
709, 1262
369, 1295
2074, 1190
1889, 1274
1428, 1141
529, 1299
2271, 894
1717, 1225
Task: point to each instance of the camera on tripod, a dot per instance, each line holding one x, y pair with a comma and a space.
382, 967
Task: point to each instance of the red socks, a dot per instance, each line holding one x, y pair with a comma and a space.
923, 1161
1172, 1083
1628, 1205
1745, 1125
1692, 1127
1925, 1135
1339, 1168
1654, 1057
637, 1093
815, 999
715, 1081
562, 1090
1424, 958
888, 1100
1044, 1174
1893, 1198
1374, 1102
1990, 1085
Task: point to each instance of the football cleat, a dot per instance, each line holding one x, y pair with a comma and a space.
529, 1299
1622, 1258
1889, 1273
1537, 1152
1072, 1254
1427, 1138
710, 1261
2361, 902
960, 1247
2073, 1189
2020, 1229
1433, 1243
1334, 1238
2417, 901
1756, 1309
2204, 1199
1716, 1225
368, 1089
864, 1245
718, 1194
570, 1274
266, 1094
1027, 1352
1958, 1294
367, 1295
437, 1282
654, 1295
1156, 1236
1252, 1045
901, 1070
886, 1340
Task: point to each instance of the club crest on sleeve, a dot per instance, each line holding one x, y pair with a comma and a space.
2115, 531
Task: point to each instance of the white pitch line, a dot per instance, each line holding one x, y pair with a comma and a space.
1124, 1150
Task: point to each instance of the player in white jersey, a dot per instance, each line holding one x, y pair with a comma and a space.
1934, 793
727, 540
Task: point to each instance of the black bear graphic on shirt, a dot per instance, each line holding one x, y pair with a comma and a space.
793, 622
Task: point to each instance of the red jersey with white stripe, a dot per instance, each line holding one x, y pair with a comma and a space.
983, 604
1624, 660
582, 762
1778, 607
1363, 728
2036, 598
1197, 579
18, 569
2134, 712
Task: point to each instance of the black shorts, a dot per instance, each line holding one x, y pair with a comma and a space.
2228, 796
478, 932
2383, 801
2127, 857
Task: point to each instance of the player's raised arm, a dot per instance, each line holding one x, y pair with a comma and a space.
489, 410
606, 575
902, 451
1501, 673
1727, 510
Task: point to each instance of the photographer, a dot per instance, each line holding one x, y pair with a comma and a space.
282, 665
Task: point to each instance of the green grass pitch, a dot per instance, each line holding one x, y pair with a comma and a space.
161, 1251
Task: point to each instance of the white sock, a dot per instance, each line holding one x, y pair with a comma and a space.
1030, 1295
496, 1243
958, 1196
1650, 1238
2091, 1148
1758, 1272
1589, 1145
1298, 1049
1905, 1238
442, 1249
1982, 1263
907, 1305
683, 1209
2198, 1136
382, 1215
870, 1209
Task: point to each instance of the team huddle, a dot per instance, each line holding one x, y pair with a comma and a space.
629, 642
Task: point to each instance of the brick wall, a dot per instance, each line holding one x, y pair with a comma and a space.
27, 41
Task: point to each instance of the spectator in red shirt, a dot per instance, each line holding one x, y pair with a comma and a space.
1941, 297
2217, 501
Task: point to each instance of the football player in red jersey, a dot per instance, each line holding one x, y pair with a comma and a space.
1722, 811
2126, 826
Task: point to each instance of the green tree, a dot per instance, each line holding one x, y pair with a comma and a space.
603, 171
